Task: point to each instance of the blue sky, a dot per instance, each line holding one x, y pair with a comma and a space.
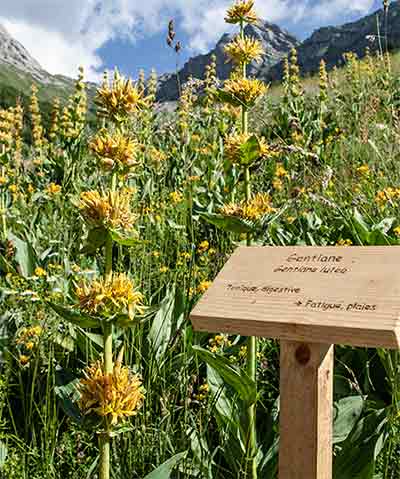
130, 34
151, 51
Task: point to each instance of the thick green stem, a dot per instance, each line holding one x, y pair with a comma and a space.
105, 440
251, 361
251, 367
104, 457
108, 258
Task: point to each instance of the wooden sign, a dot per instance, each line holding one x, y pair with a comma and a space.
309, 298
342, 295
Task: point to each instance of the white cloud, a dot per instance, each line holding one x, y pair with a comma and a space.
53, 51
62, 34
326, 9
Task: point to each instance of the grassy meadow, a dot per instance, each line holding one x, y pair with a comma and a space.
112, 230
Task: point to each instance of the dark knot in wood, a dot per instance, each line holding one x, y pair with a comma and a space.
303, 354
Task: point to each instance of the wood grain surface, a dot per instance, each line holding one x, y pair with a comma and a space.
332, 295
306, 398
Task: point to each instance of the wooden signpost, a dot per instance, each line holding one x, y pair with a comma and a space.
310, 298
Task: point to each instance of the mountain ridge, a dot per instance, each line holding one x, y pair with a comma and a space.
329, 43
276, 41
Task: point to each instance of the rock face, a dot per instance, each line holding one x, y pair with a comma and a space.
277, 43
330, 43
13, 53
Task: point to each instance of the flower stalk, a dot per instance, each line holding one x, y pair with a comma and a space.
251, 362
105, 439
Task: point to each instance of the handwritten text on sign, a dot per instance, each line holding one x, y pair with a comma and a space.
352, 293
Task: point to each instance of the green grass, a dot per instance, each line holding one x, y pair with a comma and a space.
324, 198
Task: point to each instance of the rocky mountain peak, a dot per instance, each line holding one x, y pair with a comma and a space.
15, 54
374, 31
277, 43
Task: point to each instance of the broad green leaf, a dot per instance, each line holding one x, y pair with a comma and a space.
95, 240
227, 414
250, 151
201, 456
65, 342
97, 339
24, 256
164, 471
228, 223
235, 377
125, 321
347, 412
128, 240
75, 317
385, 225
361, 227
225, 407
161, 328
269, 463
356, 459
122, 430
3, 454
225, 97
66, 390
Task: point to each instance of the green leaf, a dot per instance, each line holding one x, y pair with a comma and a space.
385, 225
92, 468
128, 240
75, 317
225, 407
361, 227
95, 240
3, 454
124, 428
24, 255
235, 377
65, 342
225, 97
6, 266
356, 459
164, 471
227, 414
161, 328
269, 463
66, 390
229, 223
124, 321
347, 412
97, 339
250, 151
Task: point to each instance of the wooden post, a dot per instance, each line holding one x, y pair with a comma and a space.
306, 397
308, 297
